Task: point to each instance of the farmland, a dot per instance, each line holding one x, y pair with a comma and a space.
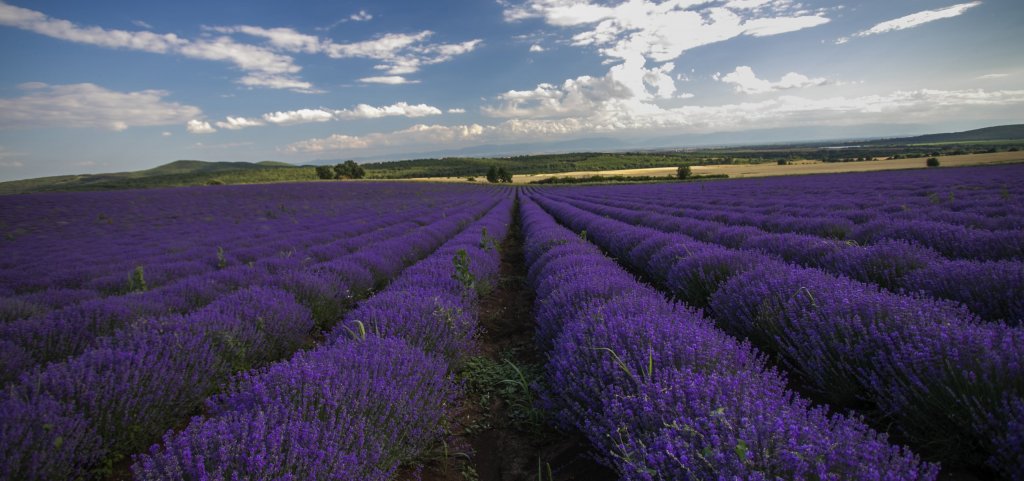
850, 326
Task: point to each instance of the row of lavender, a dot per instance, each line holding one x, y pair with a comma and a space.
64, 249
992, 289
949, 384
981, 198
337, 259
79, 417
864, 208
376, 395
664, 395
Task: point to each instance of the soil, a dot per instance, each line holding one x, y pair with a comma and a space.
499, 451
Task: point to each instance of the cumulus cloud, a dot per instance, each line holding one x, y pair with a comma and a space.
536, 48
641, 40
419, 134
238, 123
305, 116
401, 53
301, 116
456, 111
908, 106
89, 105
199, 127
268, 65
914, 20
256, 60
744, 81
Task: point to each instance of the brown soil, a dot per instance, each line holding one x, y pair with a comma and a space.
497, 450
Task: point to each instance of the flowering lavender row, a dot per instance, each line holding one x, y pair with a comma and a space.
76, 418
71, 330
826, 208
981, 198
950, 384
103, 238
663, 395
992, 289
356, 408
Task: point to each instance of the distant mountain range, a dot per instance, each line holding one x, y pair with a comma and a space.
1001, 132
534, 157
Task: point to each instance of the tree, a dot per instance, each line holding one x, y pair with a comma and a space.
349, 170
683, 172
492, 175
932, 162
504, 176
324, 172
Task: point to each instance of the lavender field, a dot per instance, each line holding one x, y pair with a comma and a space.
834, 327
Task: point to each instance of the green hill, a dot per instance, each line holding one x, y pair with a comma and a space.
177, 173
985, 135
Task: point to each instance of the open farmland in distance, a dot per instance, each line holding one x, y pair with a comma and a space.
848, 326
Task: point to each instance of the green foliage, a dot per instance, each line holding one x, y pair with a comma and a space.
511, 382
504, 176
462, 273
932, 162
492, 175
683, 172
324, 172
486, 241
349, 170
222, 262
137, 280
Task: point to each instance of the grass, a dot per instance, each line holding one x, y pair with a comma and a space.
503, 379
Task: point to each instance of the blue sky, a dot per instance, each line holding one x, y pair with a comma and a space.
104, 86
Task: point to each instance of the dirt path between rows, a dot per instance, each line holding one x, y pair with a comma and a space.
497, 435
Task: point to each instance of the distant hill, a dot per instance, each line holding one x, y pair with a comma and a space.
987, 134
177, 173
598, 154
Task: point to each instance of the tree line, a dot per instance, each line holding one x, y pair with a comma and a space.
348, 170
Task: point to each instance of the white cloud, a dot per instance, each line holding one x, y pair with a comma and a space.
419, 134
360, 16
613, 116
456, 111
400, 53
301, 116
238, 123
142, 24
400, 109
641, 40
536, 48
389, 80
268, 65
914, 20
282, 38
273, 68
305, 116
166, 134
89, 105
199, 127
991, 76
744, 81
